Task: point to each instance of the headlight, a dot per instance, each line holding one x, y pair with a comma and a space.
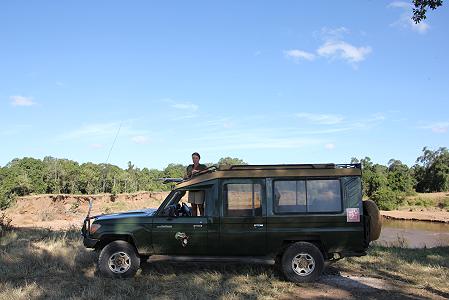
94, 228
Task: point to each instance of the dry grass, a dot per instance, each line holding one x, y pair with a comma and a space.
423, 268
38, 263
45, 264
428, 200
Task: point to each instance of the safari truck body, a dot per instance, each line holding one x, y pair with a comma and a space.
300, 215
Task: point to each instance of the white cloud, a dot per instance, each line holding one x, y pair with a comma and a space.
405, 19
324, 119
297, 55
333, 34
185, 106
297, 131
228, 125
22, 101
440, 127
140, 139
421, 27
259, 142
98, 131
400, 4
334, 47
343, 50
15, 129
182, 105
329, 146
93, 130
96, 146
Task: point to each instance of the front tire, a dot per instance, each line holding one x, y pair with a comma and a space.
118, 259
302, 262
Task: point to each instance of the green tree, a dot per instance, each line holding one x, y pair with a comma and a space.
90, 178
374, 176
432, 170
421, 7
399, 177
174, 171
229, 161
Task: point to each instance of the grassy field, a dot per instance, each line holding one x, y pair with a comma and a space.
39, 263
428, 200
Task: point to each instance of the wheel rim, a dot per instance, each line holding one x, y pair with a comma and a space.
303, 264
119, 262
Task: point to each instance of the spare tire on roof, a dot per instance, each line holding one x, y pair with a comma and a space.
370, 208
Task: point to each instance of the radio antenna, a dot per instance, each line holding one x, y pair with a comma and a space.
109, 154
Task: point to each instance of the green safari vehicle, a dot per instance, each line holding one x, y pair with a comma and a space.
300, 215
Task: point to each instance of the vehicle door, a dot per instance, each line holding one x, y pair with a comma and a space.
179, 235
243, 217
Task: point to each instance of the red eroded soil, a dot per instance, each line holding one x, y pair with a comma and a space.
64, 211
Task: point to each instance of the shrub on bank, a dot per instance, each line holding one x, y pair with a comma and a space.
387, 199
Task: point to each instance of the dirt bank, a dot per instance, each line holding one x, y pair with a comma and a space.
433, 215
64, 211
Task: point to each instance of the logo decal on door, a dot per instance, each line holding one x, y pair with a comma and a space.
182, 237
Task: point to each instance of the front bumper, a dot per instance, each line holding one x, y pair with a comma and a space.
90, 242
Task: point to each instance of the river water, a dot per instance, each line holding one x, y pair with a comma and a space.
414, 234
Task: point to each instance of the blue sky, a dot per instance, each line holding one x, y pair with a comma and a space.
267, 82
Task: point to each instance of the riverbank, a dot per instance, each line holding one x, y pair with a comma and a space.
426, 215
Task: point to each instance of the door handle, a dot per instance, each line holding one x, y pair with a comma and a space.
164, 226
258, 225
197, 226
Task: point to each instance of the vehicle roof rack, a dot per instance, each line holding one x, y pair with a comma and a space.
348, 166
282, 166
290, 166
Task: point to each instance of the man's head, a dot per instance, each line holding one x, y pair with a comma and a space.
196, 158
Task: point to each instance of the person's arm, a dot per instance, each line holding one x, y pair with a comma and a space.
188, 172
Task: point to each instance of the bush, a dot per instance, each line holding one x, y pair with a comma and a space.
444, 203
6, 199
5, 224
423, 202
386, 199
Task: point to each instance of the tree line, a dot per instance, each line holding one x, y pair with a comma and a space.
26, 176
388, 185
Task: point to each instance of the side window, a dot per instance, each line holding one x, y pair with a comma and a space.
323, 195
300, 196
242, 199
290, 196
174, 207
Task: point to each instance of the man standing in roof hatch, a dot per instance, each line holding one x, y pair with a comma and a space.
196, 198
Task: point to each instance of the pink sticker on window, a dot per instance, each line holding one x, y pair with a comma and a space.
352, 215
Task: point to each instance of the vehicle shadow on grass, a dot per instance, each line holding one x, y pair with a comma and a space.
207, 279
259, 280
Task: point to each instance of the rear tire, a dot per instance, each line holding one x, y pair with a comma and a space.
118, 259
302, 262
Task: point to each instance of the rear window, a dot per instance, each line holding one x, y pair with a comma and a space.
303, 196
